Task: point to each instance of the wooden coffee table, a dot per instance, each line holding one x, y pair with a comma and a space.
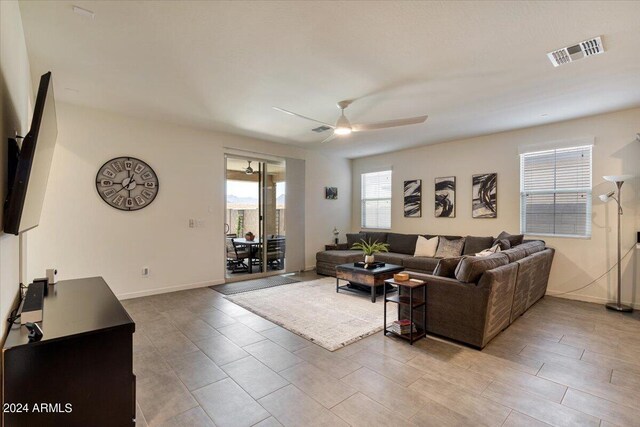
365, 280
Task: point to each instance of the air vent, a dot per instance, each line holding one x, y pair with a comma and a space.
320, 129
573, 53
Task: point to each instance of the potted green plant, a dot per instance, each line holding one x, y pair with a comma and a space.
370, 249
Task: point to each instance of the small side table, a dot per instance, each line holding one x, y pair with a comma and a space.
336, 247
412, 302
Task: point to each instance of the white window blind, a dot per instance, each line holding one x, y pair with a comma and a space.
555, 192
376, 199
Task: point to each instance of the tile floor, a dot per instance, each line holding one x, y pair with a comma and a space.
201, 360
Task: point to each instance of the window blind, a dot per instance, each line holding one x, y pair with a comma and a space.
376, 199
555, 192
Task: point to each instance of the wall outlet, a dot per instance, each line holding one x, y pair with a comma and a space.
145, 271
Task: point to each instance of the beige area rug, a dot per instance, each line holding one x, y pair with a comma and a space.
315, 311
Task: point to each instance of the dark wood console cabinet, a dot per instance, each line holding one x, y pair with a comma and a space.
85, 360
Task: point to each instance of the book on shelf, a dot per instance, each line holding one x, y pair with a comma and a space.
402, 327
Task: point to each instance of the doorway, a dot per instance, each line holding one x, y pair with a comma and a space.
255, 234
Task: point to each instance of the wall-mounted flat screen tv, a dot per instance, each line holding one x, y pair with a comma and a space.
29, 164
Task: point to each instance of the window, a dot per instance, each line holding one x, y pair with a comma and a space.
376, 199
555, 192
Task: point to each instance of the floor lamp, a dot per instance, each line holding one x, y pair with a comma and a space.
619, 180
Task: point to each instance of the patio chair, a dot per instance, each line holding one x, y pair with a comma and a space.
236, 256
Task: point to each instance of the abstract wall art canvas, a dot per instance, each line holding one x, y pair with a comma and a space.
413, 198
331, 193
445, 197
485, 196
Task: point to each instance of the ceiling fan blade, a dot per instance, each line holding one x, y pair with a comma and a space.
329, 138
291, 113
389, 124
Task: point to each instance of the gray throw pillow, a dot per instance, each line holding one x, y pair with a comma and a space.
514, 239
503, 243
447, 267
449, 248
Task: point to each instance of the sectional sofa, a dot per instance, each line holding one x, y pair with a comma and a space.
474, 298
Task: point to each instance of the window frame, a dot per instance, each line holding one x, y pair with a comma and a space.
363, 199
588, 191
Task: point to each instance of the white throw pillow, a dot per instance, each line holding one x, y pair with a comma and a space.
426, 247
492, 250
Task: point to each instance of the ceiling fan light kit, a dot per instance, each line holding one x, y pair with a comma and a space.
343, 126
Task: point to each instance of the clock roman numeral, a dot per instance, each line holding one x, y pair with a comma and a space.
139, 168
140, 201
108, 173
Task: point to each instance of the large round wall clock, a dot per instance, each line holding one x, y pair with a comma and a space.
127, 183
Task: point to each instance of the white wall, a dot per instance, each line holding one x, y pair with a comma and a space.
82, 236
577, 261
16, 97
322, 214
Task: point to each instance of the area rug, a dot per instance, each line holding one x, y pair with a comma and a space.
252, 285
316, 312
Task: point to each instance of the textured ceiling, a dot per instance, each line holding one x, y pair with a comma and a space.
474, 67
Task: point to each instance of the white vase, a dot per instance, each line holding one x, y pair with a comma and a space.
369, 259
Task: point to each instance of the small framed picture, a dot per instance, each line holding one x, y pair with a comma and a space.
331, 193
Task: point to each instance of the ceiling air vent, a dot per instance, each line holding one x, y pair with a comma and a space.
320, 129
573, 53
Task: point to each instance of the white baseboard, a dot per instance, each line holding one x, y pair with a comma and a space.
587, 298
310, 268
174, 288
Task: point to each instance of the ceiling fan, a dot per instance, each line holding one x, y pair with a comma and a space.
249, 169
344, 127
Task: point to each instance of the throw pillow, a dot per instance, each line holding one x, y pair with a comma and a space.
503, 243
447, 267
492, 250
426, 247
514, 239
449, 248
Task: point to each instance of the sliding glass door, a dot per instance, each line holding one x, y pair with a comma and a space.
255, 235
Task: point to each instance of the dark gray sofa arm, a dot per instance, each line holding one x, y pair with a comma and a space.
454, 309
500, 282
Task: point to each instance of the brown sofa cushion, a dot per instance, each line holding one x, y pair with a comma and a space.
392, 257
514, 239
475, 244
353, 238
515, 254
448, 248
471, 268
532, 247
339, 257
402, 243
447, 267
375, 236
420, 263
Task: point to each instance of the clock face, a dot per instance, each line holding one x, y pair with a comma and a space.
127, 183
